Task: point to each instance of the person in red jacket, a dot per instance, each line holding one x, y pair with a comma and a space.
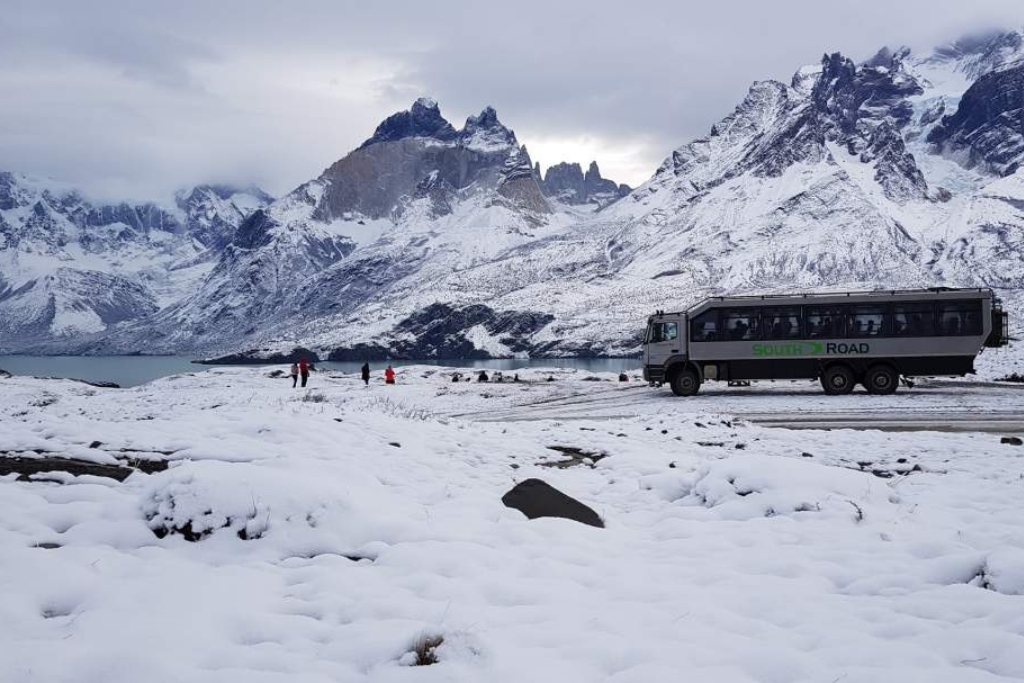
304, 370
389, 376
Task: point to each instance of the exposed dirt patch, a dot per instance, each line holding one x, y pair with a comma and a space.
574, 456
27, 466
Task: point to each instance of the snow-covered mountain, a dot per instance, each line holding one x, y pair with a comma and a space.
71, 267
428, 240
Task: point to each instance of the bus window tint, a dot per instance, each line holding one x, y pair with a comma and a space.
913, 320
961, 317
866, 321
781, 323
704, 327
664, 332
740, 325
825, 322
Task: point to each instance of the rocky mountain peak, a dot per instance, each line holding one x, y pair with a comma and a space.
422, 120
569, 184
484, 132
888, 58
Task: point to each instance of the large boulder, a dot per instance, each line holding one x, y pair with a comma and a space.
535, 498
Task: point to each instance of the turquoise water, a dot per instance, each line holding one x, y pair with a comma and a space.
129, 371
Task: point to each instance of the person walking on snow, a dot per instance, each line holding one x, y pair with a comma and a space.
389, 376
294, 372
366, 373
304, 371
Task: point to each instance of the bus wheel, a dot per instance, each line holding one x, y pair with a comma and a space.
881, 380
838, 380
685, 383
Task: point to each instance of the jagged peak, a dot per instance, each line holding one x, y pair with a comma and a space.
888, 58
487, 118
422, 119
484, 132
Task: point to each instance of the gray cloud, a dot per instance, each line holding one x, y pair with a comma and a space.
131, 99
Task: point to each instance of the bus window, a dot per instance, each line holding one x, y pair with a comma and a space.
781, 323
740, 325
959, 318
867, 321
704, 327
913, 320
825, 322
663, 332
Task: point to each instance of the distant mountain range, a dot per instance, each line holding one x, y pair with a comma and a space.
432, 241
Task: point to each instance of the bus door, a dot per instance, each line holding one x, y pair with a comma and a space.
664, 340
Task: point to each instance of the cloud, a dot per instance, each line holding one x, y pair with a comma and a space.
131, 99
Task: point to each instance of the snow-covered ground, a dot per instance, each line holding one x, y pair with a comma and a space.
342, 525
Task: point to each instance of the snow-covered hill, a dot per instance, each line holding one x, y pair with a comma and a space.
427, 240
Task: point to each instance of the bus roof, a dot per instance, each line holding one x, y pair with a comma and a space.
799, 298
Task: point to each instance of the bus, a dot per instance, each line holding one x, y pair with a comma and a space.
843, 339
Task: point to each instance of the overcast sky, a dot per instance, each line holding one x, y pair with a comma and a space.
135, 99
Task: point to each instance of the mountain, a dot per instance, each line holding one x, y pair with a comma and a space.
71, 267
567, 183
435, 241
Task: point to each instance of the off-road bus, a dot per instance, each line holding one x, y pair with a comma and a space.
842, 338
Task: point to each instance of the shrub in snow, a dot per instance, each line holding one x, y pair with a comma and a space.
197, 499
305, 506
1004, 571
424, 651
758, 486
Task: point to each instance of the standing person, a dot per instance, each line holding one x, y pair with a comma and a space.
294, 372
389, 376
365, 372
304, 371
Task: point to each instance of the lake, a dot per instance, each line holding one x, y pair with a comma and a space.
130, 371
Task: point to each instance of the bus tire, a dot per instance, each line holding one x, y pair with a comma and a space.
685, 382
881, 380
838, 380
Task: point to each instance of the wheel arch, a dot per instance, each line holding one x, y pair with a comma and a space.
677, 364
888, 362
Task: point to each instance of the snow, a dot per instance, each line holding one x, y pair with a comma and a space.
372, 519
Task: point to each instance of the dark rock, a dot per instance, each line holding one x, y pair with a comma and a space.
47, 546
438, 192
98, 384
25, 468
1012, 440
535, 499
574, 456
95, 444
261, 357
254, 232
988, 123
439, 331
